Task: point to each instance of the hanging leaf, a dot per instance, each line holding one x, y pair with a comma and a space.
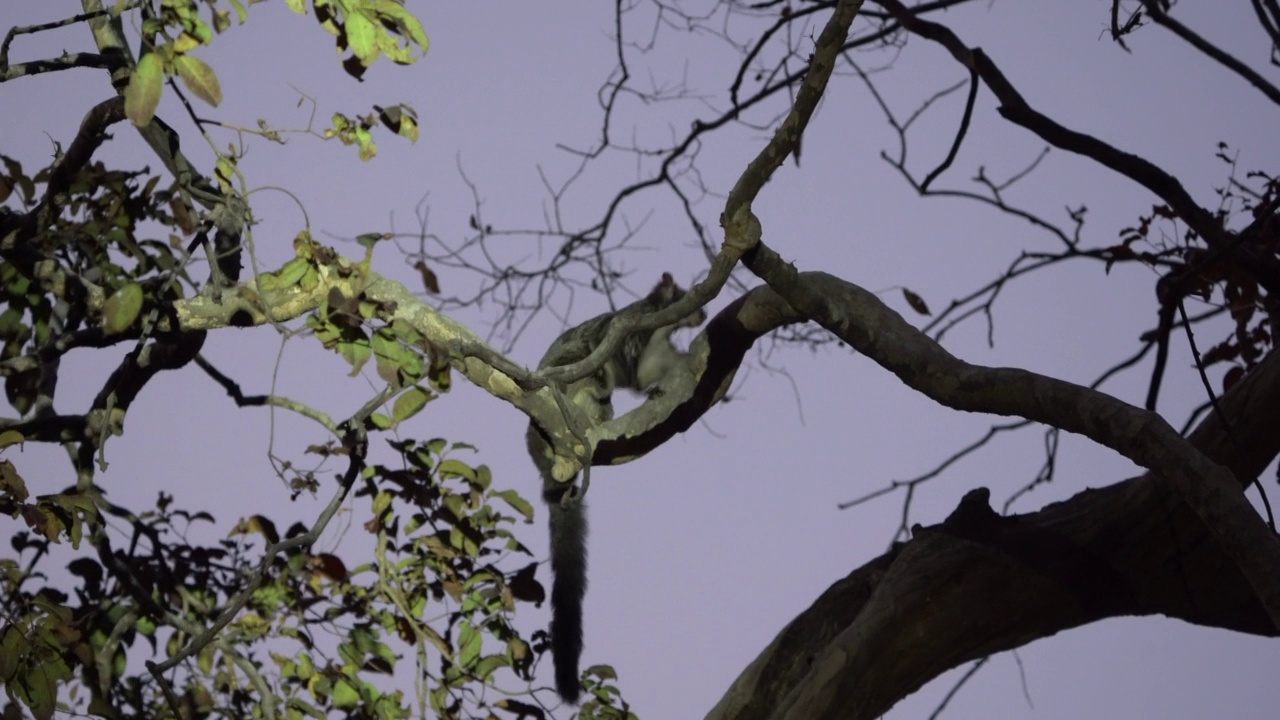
199, 78
143, 94
409, 403
916, 302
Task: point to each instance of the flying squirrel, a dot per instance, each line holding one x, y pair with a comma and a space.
641, 362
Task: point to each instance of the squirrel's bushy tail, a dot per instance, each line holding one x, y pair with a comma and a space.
569, 586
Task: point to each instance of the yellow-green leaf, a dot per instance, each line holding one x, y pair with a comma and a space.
199, 78
469, 641
390, 46
146, 626
362, 37
385, 351
121, 309
205, 658
306, 707
409, 403
10, 437
356, 352
368, 148
457, 468
488, 664
404, 21
221, 20
198, 28
184, 42
381, 502
143, 94
345, 695
517, 503
224, 170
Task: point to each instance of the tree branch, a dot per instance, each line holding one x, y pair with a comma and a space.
1131, 548
873, 329
1014, 108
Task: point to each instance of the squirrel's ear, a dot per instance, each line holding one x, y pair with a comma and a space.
667, 286
665, 291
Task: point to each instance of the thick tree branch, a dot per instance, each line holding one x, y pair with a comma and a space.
1132, 548
872, 328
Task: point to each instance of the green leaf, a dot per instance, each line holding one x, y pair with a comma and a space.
385, 653
146, 625
184, 43
298, 6
409, 403
517, 503
469, 640
404, 331
200, 29
404, 20
13, 647
362, 37
205, 658
385, 350
396, 52
487, 665
38, 688
368, 148
457, 468
320, 687
143, 94
199, 78
121, 309
224, 171
357, 352
345, 695
310, 280
381, 502
306, 707
484, 477
291, 274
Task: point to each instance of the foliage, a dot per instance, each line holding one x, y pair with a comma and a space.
313, 634
251, 622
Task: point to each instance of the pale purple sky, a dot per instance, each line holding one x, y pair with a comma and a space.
703, 550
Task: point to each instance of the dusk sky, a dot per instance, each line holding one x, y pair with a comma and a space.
701, 551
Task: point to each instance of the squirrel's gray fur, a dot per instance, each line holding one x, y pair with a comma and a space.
642, 361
